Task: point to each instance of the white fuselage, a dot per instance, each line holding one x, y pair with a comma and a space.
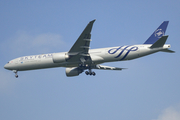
98, 56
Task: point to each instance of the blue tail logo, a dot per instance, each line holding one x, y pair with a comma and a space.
158, 33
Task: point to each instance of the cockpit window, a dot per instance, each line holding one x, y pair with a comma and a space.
8, 62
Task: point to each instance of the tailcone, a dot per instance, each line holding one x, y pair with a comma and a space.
166, 49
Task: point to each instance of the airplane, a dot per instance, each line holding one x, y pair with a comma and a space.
81, 58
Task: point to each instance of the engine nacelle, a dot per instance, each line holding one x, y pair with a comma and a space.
70, 72
60, 57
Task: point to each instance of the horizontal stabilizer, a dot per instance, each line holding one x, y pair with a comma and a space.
160, 42
168, 50
102, 67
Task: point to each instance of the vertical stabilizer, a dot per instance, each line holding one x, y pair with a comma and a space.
158, 33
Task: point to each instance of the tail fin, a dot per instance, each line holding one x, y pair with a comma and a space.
158, 33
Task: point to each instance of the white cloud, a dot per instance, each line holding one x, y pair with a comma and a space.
48, 39
170, 113
23, 42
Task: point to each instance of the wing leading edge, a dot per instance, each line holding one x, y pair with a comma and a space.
79, 51
82, 43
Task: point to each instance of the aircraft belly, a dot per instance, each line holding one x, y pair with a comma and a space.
148, 51
132, 55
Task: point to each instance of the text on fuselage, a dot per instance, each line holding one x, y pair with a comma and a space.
36, 57
121, 50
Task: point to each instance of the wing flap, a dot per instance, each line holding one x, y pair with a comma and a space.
102, 67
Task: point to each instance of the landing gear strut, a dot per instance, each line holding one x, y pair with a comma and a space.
82, 65
16, 75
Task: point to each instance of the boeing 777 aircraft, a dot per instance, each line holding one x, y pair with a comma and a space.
80, 58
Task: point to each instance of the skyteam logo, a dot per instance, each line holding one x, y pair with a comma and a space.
159, 33
121, 50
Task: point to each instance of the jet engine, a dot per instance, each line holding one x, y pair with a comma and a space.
70, 72
60, 57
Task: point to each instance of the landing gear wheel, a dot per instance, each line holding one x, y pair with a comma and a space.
90, 73
16, 76
87, 73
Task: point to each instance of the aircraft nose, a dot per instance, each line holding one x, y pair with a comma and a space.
6, 66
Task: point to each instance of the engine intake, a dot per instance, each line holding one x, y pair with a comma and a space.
60, 57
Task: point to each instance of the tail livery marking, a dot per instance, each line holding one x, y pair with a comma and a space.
158, 33
126, 49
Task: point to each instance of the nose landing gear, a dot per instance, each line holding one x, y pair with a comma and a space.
16, 75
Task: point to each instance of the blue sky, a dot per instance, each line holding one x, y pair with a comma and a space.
147, 90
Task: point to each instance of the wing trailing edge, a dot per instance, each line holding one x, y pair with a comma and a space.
102, 67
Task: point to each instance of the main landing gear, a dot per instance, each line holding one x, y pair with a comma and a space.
85, 66
90, 73
16, 75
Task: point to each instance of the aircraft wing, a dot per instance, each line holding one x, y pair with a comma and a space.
102, 67
79, 51
81, 46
